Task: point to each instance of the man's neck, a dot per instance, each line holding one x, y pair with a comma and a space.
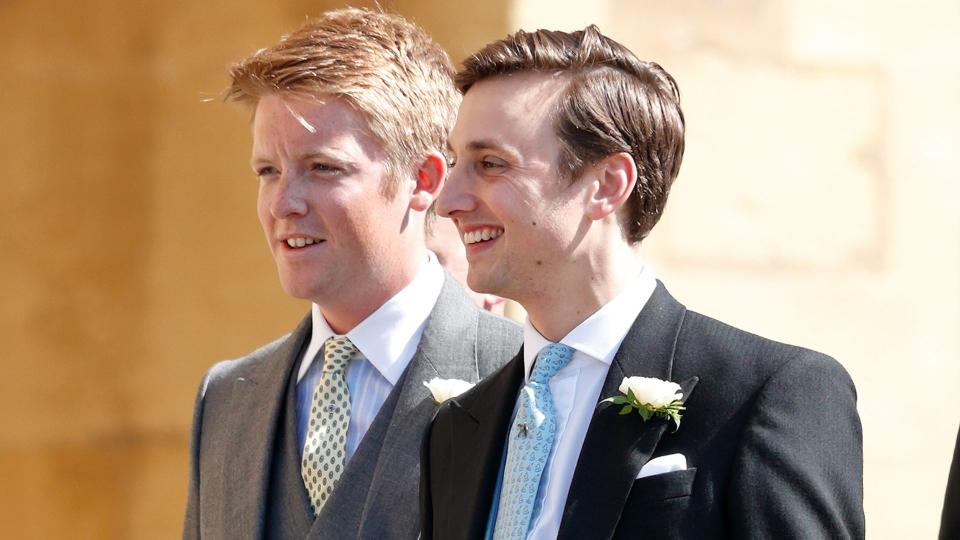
580, 290
348, 309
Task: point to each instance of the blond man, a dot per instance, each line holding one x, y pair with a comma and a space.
316, 435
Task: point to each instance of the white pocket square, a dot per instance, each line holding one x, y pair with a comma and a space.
663, 464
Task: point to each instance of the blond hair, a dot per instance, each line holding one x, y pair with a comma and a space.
388, 68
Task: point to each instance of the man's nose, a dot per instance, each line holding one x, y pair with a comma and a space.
456, 195
289, 198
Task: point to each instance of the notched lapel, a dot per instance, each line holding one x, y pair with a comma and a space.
448, 350
448, 347
250, 428
616, 447
478, 426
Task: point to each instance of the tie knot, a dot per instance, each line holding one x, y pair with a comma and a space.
551, 359
337, 352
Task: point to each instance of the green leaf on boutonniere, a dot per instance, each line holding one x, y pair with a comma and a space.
629, 402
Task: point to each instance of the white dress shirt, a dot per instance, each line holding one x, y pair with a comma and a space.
387, 341
576, 390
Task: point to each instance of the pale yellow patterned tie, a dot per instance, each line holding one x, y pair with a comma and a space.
325, 448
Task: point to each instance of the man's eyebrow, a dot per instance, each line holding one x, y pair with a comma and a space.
323, 155
488, 144
485, 144
307, 155
258, 158
505, 150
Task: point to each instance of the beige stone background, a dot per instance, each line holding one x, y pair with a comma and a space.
818, 204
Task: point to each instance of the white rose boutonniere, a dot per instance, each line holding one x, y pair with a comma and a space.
651, 397
444, 389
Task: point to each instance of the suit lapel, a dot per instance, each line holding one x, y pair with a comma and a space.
255, 406
616, 447
447, 349
482, 420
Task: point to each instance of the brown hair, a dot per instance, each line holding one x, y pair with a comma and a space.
386, 66
613, 102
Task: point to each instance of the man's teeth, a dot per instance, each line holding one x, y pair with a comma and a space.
480, 235
300, 242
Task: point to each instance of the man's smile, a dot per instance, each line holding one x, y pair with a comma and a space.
481, 235
296, 242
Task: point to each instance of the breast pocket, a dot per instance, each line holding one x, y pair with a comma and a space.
659, 507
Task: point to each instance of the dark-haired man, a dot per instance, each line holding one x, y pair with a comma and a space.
564, 151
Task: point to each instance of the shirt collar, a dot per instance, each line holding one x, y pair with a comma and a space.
600, 335
389, 337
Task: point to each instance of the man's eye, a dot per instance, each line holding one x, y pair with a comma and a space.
266, 171
325, 168
489, 164
451, 162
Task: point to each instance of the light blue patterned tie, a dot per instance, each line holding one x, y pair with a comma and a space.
531, 439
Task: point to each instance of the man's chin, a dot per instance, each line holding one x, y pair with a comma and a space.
300, 290
481, 283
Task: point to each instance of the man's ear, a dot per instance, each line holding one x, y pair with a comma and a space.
614, 179
430, 176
